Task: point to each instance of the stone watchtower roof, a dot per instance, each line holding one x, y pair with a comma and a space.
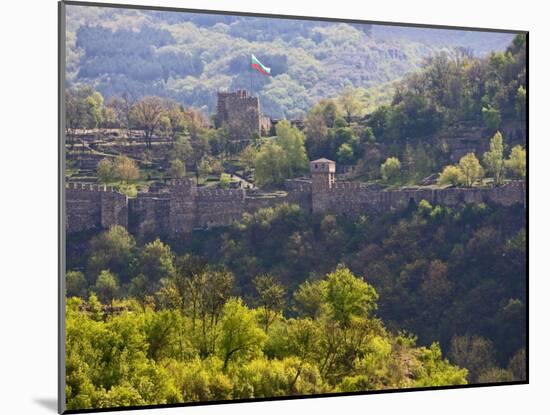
322, 165
322, 160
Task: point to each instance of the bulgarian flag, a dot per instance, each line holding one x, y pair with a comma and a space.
260, 67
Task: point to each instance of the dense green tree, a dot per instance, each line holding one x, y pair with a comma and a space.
472, 170
204, 168
75, 284
348, 297
291, 140
83, 109
494, 158
517, 162
345, 154
270, 165
112, 249
308, 299
491, 118
270, 299
474, 353
391, 169
173, 121
126, 169
105, 170
241, 337
281, 158
146, 114
156, 261
182, 149
521, 102
451, 175
106, 286
350, 103
225, 179
177, 169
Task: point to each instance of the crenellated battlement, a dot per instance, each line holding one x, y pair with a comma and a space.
183, 183
91, 205
239, 112
298, 185
341, 185
215, 193
89, 187
184, 206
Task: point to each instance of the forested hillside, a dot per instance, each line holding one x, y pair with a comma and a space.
193, 341
456, 277
288, 299
188, 57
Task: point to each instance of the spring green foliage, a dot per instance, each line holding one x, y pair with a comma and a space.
83, 109
105, 171
269, 164
225, 179
121, 172
282, 157
204, 168
156, 261
391, 169
271, 299
345, 154
350, 103
451, 175
491, 118
75, 284
471, 169
474, 259
177, 169
456, 87
106, 286
241, 337
494, 158
219, 348
112, 250
454, 93
126, 169
517, 162
521, 102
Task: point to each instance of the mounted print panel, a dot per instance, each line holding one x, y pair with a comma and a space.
261, 207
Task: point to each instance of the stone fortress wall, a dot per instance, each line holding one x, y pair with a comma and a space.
183, 206
92, 206
354, 198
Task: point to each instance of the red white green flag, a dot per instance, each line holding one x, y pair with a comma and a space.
260, 67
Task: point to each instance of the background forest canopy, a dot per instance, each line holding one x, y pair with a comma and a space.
456, 100
188, 57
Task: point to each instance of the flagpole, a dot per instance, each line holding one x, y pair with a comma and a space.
250, 76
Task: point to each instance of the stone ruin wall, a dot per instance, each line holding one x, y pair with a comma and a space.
299, 192
218, 207
147, 214
92, 206
351, 198
184, 207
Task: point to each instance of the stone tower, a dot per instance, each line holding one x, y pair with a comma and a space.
183, 206
240, 113
322, 180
